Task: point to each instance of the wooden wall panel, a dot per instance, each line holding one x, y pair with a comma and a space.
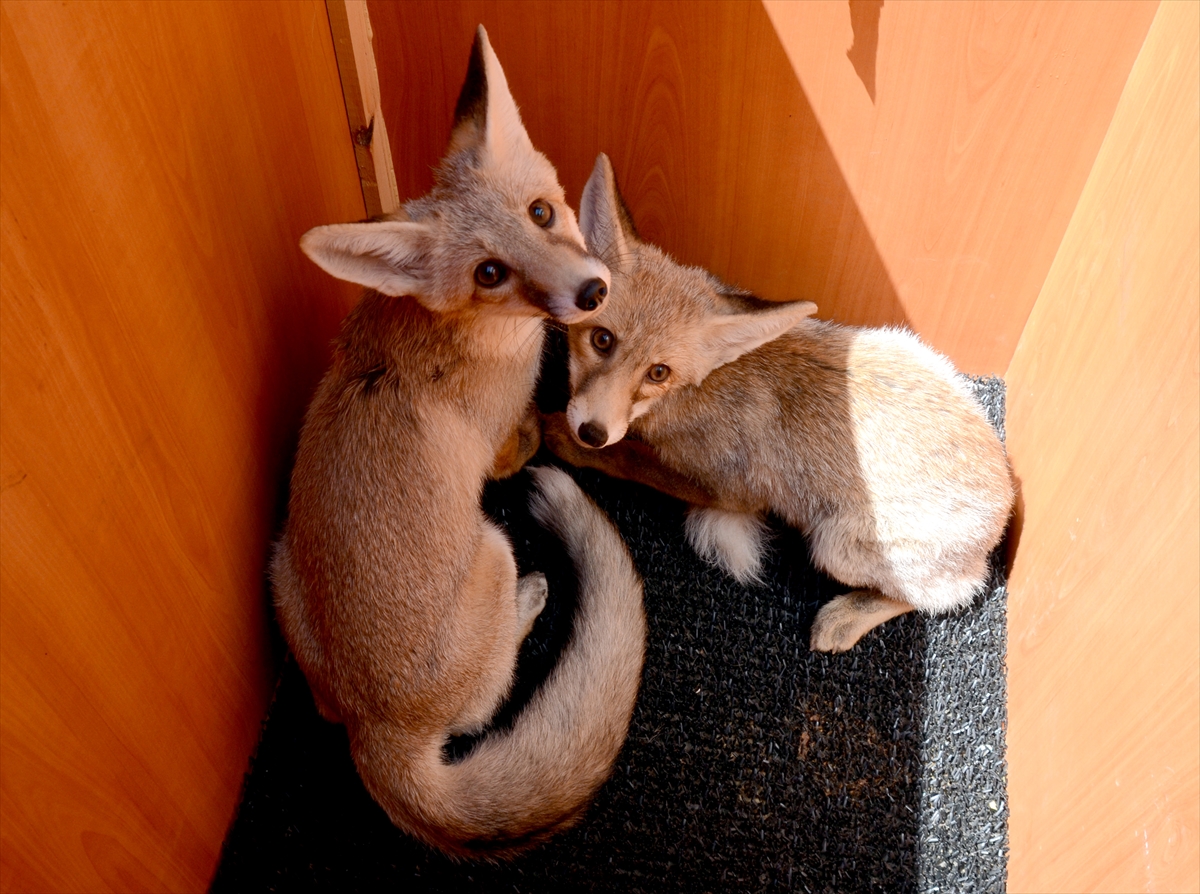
160, 336
745, 140
1104, 606
968, 160
716, 149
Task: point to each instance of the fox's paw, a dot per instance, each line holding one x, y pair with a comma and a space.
529, 436
844, 620
733, 541
532, 590
519, 448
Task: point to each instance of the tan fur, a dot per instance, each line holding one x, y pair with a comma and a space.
398, 596
865, 439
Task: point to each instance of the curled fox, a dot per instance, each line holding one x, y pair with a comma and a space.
864, 439
399, 598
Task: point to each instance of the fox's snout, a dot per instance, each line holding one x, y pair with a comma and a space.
570, 293
592, 435
596, 423
592, 295
561, 278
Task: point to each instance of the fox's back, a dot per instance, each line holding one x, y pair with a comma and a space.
384, 509
834, 420
773, 425
928, 456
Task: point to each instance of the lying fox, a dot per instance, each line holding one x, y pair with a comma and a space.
862, 438
398, 596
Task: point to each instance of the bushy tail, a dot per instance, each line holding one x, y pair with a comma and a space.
733, 541
520, 786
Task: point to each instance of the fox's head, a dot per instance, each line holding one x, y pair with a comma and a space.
495, 232
665, 326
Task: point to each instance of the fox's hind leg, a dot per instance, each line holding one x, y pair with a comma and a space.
485, 620
843, 620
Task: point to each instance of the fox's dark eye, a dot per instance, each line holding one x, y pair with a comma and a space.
542, 213
490, 274
603, 340
658, 372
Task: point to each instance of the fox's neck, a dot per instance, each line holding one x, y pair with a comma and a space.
665, 418
485, 363
383, 329
502, 339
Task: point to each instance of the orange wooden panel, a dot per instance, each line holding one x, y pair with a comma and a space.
1103, 429
969, 159
745, 140
160, 336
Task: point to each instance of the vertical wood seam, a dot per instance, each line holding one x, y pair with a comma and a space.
350, 29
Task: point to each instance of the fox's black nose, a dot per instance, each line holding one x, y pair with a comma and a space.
591, 295
592, 434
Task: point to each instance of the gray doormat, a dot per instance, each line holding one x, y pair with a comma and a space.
752, 763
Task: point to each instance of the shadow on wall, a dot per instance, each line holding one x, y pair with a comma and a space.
864, 19
719, 154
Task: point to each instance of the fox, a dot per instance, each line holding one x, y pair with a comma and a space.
399, 598
864, 439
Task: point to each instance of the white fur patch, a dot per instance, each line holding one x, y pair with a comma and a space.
733, 541
895, 339
556, 493
640, 408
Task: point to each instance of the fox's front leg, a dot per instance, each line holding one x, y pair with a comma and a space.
520, 447
627, 459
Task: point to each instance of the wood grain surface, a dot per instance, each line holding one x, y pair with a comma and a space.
968, 160
1104, 605
160, 335
746, 140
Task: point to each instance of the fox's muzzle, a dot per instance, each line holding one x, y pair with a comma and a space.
592, 295
592, 425
593, 435
570, 293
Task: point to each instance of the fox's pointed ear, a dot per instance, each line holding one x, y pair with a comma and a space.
389, 256
603, 218
486, 116
729, 336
